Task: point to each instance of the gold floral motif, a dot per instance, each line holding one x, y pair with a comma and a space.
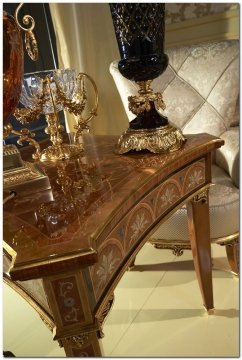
138, 225
141, 102
196, 178
106, 268
26, 116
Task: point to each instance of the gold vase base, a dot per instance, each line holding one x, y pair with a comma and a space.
55, 153
161, 140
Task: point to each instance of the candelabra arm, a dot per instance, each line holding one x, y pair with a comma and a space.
82, 123
27, 135
77, 104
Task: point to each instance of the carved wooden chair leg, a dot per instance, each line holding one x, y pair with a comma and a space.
232, 251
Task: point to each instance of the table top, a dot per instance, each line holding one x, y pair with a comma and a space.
46, 231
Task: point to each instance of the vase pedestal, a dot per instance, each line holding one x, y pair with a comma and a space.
160, 140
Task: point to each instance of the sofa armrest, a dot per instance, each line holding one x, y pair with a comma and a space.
227, 157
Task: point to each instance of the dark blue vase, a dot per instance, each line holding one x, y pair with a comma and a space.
140, 30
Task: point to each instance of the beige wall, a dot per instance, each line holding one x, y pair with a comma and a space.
199, 22
178, 12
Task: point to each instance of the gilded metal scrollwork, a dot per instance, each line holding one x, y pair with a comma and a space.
163, 140
26, 116
30, 40
201, 197
78, 103
52, 94
158, 140
103, 315
141, 102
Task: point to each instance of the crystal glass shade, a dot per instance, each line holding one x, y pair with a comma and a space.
32, 88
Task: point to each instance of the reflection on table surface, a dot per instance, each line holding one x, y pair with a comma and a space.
85, 194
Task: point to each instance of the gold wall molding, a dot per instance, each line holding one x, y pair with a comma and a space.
221, 26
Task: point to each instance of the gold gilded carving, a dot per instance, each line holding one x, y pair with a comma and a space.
177, 250
201, 197
31, 45
104, 313
78, 340
161, 140
78, 103
30, 41
24, 135
53, 95
46, 322
26, 116
141, 102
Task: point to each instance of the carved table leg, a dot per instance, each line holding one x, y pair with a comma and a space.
199, 231
84, 345
75, 326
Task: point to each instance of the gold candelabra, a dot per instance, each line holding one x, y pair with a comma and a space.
51, 92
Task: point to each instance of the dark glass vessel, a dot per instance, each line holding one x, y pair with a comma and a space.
140, 30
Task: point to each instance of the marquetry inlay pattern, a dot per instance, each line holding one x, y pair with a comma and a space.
136, 224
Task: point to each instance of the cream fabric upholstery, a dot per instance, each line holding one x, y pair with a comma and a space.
200, 88
227, 157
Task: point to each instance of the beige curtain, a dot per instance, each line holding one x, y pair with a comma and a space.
86, 42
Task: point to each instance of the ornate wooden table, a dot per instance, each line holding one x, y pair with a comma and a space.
67, 247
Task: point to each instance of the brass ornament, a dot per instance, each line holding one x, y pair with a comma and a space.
177, 250
77, 105
158, 140
53, 95
24, 135
30, 40
201, 197
101, 317
161, 140
141, 102
31, 45
26, 116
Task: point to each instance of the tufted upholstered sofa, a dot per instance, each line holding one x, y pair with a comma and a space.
200, 88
